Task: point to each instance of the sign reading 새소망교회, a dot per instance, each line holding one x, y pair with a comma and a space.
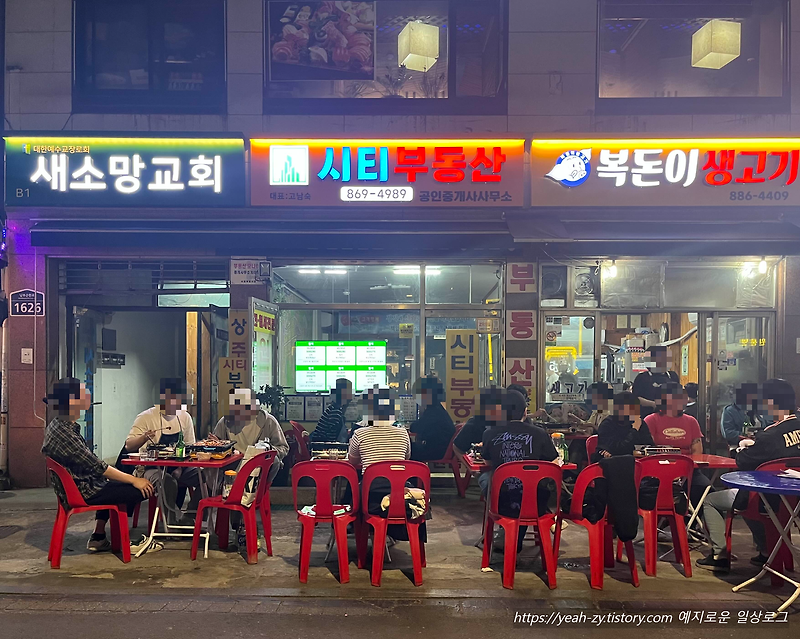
117, 172
665, 172
460, 173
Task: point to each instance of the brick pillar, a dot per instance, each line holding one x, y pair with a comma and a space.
26, 382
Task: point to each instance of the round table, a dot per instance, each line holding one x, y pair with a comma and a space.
767, 482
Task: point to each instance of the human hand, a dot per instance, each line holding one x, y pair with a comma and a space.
143, 486
150, 434
605, 454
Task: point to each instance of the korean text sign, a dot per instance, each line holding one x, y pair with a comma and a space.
666, 172
462, 354
461, 173
120, 172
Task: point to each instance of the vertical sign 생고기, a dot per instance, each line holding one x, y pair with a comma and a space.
462, 350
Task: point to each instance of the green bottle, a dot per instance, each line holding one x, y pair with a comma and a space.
180, 447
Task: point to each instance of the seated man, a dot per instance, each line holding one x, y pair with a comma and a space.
162, 424
514, 440
622, 431
246, 425
781, 439
434, 428
97, 482
490, 412
331, 426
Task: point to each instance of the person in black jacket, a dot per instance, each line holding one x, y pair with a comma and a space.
781, 439
621, 432
434, 429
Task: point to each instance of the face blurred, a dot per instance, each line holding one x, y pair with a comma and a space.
631, 411
82, 402
494, 413
675, 403
172, 403
598, 402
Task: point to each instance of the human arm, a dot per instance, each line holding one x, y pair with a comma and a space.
640, 387
220, 430
140, 483
613, 443
272, 432
354, 452
141, 433
730, 426
697, 446
187, 426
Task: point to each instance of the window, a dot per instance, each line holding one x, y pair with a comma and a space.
717, 55
386, 56
147, 54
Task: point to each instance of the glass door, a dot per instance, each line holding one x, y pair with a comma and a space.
85, 363
569, 348
740, 349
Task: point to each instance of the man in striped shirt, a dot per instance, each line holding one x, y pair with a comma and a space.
331, 426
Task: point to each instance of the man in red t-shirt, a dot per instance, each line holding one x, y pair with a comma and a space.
669, 426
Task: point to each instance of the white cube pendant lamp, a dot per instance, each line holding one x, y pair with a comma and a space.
716, 43
418, 46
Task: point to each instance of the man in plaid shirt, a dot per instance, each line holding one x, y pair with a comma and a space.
97, 482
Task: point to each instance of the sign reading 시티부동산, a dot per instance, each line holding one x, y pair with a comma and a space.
417, 172
648, 172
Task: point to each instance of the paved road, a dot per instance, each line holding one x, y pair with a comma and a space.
169, 617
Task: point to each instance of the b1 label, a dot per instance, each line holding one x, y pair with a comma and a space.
26, 303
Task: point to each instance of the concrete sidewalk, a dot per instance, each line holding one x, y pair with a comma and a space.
452, 577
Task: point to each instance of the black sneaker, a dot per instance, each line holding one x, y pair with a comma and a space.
722, 564
759, 560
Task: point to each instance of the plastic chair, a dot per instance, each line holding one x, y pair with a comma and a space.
325, 474
234, 502
151, 512
665, 468
530, 473
120, 539
398, 473
454, 462
591, 447
783, 560
601, 533
301, 436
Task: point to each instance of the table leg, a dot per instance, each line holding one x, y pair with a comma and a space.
794, 519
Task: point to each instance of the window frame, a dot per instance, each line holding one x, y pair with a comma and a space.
88, 99
451, 105
698, 105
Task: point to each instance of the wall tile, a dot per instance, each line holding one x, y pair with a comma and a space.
245, 52
110, 122
303, 125
249, 125
32, 15
565, 15
551, 94
733, 124
545, 52
476, 124
206, 123
245, 93
379, 125
45, 92
673, 124
245, 15
45, 122
531, 125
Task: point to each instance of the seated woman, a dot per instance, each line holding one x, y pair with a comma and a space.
623, 430
377, 441
434, 428
97, 482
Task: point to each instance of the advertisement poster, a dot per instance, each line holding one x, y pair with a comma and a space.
313, 408
295, 408
321, 41
462, 373
263, 348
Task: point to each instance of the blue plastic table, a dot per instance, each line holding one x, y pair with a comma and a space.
765, 483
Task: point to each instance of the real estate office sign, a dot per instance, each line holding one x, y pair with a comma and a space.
415, 172
124, 171
665, 172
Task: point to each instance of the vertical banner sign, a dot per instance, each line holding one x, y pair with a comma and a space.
462, 373
520, 325
522, 371
232, 375
263, 348
521, 278
238, 375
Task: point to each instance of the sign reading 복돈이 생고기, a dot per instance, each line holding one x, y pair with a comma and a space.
665, 172
124, 171
459, 173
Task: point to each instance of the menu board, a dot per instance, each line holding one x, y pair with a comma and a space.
319, 364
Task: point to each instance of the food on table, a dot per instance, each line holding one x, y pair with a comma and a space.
318, 54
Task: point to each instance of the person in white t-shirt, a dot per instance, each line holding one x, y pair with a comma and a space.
161, 424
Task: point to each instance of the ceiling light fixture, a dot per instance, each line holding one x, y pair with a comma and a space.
611, 271
418, 46
309, 271
335, 271
762, 266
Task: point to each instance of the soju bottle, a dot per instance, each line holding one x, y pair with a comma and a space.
180, 447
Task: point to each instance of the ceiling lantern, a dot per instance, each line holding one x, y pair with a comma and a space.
716, 43
418, 46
